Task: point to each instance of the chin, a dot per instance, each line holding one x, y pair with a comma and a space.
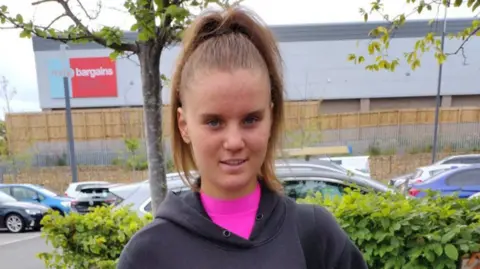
234, 183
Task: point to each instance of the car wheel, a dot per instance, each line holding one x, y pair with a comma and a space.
15, 223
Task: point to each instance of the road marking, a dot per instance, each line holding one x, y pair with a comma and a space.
19, 240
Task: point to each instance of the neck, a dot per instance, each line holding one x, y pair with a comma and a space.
226, 194
241, 205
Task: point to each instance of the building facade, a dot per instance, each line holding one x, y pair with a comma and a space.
315, 64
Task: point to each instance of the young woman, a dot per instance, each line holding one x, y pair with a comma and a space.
227, 114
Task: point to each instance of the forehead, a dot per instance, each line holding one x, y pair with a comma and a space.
228, 92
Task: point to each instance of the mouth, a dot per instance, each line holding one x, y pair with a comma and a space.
233, 162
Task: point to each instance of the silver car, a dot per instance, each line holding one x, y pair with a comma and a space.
298, 183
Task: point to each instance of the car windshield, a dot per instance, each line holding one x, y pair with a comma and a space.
5, 198
436, 176
418, 173
45, 191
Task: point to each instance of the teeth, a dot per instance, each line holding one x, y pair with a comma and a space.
233, 162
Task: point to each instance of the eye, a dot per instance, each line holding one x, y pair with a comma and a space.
213, 123
251, 120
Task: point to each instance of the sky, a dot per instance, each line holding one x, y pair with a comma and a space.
17, 61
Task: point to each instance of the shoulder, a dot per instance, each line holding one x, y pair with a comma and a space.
320, 222
322, 228
335, 241
139, 248
327, 225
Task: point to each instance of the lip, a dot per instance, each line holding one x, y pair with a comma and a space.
228, 161
232, 168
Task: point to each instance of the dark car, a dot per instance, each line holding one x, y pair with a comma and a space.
92, 196
16, 216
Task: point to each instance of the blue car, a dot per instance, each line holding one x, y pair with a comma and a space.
462, 182
38, 194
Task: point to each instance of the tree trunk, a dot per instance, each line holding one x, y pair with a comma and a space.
149, 57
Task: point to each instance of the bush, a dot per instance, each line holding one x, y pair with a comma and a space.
91, 241
397, 232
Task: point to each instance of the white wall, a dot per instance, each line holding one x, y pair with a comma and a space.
313, 70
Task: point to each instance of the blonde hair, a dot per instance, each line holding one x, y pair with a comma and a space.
226, 40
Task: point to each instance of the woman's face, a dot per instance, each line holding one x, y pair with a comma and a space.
226, 118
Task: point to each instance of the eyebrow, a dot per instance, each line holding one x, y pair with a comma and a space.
212, 115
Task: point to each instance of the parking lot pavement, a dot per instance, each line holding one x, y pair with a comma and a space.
10, 238
18, 251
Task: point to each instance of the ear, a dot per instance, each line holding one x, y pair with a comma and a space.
182, 125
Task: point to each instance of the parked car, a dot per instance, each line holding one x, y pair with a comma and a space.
423, 173
18, 216
73, 189
323, 165
298, 183
462, 181
475, 196
137, 195
358, 163
38, 194
460, 159
90, 196
392, 181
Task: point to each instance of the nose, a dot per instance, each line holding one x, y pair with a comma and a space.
233, 139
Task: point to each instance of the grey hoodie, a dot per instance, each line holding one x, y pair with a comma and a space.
182, 236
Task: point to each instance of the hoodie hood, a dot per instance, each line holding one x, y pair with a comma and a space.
186, 210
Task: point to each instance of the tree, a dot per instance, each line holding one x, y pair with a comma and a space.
382, 35
7, 93
159, 24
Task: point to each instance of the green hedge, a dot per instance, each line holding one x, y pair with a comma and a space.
391, 230
406, 233
91, 241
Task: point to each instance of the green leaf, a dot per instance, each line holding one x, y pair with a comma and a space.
19, 19
451, 252
143, 36
115, 54
351, 57
438, 249
134, 27
476, 5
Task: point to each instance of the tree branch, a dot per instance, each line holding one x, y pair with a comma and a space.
84, 33
54, 21
90, 17
89, 34
461, 48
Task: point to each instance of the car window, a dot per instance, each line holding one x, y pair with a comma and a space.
418, 173
301, 188
463, 160
47, 192
436, 172
22, 193
80, 186
148, 207
469, 177
5, 190
4, 198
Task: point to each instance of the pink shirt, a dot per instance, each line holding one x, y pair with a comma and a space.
236, 216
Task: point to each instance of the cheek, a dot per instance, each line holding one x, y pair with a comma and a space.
204, 143
257, 140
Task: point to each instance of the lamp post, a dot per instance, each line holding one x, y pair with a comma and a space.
439, 87
68, 116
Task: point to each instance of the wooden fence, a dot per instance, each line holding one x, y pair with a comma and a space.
23, 129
